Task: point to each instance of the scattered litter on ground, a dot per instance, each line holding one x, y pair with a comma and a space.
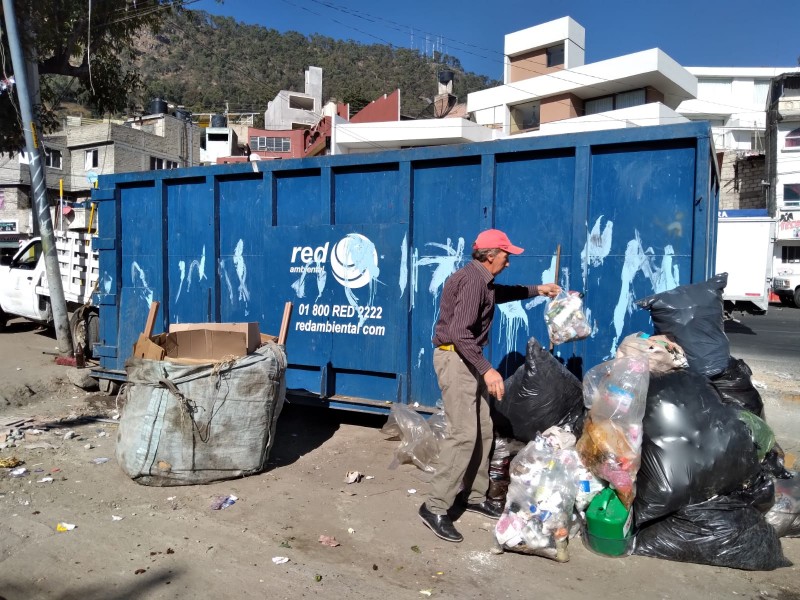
327, 540
317, 578
369, 477
279, 560
45, 480
412, 491
416, 549
116, 518
19, 472
65, 527
353, 477
88, 446
427, 593
350, 530
221, 502
10, 463
99, 460
69, 435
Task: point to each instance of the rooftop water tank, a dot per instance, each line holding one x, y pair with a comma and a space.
158, 106
219, 121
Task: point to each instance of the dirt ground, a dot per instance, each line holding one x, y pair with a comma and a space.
170, 544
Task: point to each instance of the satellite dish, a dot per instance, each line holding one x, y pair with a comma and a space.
91, 177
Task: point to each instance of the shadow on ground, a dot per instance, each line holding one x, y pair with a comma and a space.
302, 429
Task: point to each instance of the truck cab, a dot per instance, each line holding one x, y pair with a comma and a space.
786, 284
19, 278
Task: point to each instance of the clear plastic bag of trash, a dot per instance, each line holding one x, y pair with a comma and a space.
615, 393
565, 318
662, 353
541, 496
784, 516
418, 443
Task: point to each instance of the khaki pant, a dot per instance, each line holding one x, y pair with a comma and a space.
464, 453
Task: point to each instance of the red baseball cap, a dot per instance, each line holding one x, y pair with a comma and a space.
494, 238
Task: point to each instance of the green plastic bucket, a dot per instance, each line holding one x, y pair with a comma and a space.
608, 525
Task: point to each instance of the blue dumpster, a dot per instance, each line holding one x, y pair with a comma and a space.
362, 244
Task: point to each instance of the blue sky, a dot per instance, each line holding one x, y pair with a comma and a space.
696, 33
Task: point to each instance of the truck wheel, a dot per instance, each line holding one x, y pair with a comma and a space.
797, 297
786, 301
3, 319
83, 325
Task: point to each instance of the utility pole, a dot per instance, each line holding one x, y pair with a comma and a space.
38, 184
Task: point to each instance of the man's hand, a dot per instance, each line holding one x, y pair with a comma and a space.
549, 289
494, 383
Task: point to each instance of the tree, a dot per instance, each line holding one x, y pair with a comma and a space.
88, 53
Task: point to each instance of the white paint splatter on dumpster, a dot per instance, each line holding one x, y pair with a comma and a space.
597, 248
662, 278
513, 318
144, 290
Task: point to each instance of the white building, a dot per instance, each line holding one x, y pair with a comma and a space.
733, 100
783, 167
548, 88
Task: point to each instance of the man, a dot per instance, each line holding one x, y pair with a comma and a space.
465, 377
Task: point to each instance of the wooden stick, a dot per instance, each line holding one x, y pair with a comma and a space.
151, 318
555, 280
287, 317
558, 263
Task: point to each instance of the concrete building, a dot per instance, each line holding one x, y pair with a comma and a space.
83, 150
297, 110
548, 89
733, 100
783, 166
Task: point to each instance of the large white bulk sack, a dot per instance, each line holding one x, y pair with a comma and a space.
189, 424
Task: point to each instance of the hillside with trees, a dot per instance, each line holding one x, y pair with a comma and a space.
201, 61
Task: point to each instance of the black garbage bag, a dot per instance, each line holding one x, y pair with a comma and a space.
735, 386
694, 446
774, 463
723, 532
758, 493
693, 316
540, 394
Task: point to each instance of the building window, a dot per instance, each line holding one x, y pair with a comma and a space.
91, 161
790, 254
555, 56
615, 102
791, 194
758, 141
760, 91
792, 139
524, 117
301, 102
709, 89
52, 158
158, 164
270, 144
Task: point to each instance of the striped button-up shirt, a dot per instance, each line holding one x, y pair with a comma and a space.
467, 309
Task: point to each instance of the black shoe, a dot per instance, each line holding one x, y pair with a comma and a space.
487, 508
441, 525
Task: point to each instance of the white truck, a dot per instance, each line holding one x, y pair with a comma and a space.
745, 243
786, 284
24, 291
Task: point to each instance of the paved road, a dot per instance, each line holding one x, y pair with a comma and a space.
770, 345
772, 338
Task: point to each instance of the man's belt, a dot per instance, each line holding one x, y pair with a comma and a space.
448, 347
